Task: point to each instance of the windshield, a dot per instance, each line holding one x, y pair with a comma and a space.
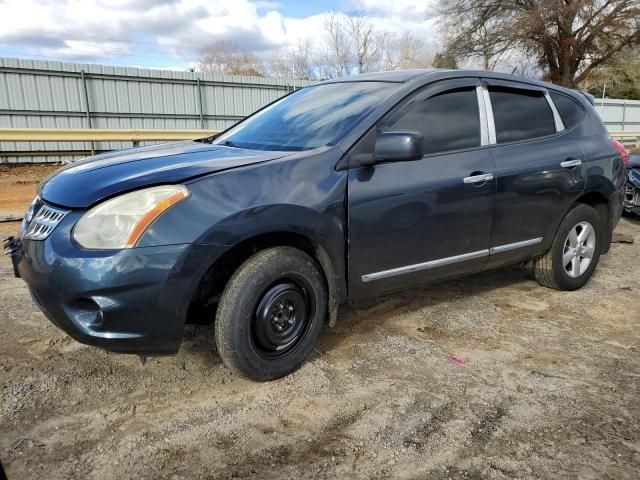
309, 118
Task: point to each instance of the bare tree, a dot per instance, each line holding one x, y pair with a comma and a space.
294, 62
569, 39
338, 50
483, 42
224, 57
355, 45
411, 52
366, 43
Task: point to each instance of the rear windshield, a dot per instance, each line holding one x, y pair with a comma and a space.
309, 118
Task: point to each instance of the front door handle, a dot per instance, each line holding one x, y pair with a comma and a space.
483, 177
571, 163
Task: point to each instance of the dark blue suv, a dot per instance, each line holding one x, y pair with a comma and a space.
347, 189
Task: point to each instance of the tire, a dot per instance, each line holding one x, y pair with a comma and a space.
564, 267
271, 314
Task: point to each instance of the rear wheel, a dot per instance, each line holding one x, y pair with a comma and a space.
271, 314
575, 251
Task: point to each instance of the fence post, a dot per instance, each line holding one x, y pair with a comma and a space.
198, 87
86, 103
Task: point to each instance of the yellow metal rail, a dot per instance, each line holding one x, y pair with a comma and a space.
631, 139
98, 135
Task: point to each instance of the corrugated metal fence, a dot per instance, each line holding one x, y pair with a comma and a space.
41, 94
619, 115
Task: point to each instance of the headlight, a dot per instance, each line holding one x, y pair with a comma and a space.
121, 221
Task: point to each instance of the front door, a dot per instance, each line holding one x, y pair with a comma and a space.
416, 221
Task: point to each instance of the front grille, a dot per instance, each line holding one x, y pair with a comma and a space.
44, 221
634, 174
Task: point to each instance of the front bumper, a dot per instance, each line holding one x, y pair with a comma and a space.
129, 301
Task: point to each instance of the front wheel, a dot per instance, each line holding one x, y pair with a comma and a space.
271, 314
575, 251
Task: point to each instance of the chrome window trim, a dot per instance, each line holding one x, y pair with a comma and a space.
557, 119
484, 123
491, 124
441, 262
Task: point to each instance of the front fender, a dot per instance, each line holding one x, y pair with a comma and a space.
304, 196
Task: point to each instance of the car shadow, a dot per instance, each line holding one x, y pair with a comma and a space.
635, 219
358, 318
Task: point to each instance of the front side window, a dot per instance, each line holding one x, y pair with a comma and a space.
309, 118
570, 112
520, 114
449, 120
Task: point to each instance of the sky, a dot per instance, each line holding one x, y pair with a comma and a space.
172, 33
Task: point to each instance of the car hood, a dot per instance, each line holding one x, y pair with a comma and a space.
86, 182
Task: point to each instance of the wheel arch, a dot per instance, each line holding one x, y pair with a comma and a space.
215, 278
600, 203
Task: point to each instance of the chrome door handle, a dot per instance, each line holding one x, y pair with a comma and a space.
570, 163
485, 177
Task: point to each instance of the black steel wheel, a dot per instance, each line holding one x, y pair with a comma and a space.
282, 318
271, 313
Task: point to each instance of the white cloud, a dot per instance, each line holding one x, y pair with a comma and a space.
407, 9
174, 30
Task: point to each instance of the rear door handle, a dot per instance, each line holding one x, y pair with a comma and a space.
484, 177
571, 163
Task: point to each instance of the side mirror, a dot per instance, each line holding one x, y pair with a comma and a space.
399, 146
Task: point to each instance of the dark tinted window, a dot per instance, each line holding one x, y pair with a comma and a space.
570, 112
448, 121
520, 114
309, 118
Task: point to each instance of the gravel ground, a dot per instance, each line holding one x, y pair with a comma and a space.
550, 388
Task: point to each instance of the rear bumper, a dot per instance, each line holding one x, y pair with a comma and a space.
128, 301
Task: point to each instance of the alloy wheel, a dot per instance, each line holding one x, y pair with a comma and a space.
579, 248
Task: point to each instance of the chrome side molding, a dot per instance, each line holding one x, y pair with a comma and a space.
514, 246
441, 262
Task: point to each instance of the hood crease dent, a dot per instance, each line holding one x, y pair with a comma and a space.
84, 183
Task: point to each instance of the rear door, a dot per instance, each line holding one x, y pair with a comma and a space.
415, 221
539, 169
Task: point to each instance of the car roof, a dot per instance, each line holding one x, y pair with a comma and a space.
395, 76
418, 76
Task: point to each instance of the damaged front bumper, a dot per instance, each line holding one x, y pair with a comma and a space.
632, 191
129, 301
11, 248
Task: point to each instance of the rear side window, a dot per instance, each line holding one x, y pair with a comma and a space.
570, 112
520, 114
448, 121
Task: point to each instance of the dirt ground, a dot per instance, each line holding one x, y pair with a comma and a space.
550, 388
18, 185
